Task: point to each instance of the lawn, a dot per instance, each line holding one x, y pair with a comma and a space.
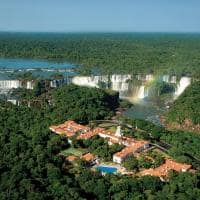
77, 152
112, 129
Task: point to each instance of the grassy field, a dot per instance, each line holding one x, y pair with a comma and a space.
73, 151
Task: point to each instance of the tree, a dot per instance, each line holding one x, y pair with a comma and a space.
131, 163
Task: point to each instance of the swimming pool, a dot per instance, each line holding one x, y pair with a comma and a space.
107, 169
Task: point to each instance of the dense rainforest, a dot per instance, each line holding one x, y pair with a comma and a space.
30, 167
185, 111
81, 104
110, 53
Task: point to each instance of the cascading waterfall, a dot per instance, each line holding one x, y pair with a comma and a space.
166, 78
90, 81
118, 82
9, 84
138, 93
29, 85
149, 77
13, 84
141, 92
173, 79
183, 84
126, 88
56, 83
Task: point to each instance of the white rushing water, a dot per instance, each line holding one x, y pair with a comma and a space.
141, 92
173, 79
131, 87
9, 84
118, 82
165, 78
182, 85
90, 81
29, 85
128, 89
13, 84
149, 77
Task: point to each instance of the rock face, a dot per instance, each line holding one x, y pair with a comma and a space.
187, 125
56, 83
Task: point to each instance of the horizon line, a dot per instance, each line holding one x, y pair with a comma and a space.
102, 32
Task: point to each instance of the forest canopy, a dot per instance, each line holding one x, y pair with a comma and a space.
110, 52
187, 106
30, 167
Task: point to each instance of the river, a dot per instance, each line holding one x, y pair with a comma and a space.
138, 93
40, 68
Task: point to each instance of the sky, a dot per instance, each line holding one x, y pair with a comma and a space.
100, 15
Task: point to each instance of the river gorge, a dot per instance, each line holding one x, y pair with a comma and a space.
149, 93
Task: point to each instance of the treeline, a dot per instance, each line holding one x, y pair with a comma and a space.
110, 53
186, 107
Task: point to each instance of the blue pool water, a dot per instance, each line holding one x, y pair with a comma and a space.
106, 169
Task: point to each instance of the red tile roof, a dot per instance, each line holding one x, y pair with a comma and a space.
165, 168
134, 146
68, 128
88, 157
86, 135
71, 158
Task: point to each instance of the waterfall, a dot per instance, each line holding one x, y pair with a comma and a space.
141, 92
118, 82
130, 90
9, 84
59, 82
183, 84
165, 78
90, 81
168, 79
149, 77
173, 79
139, 77
29, 85
13, 101
137, 93
120, 78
